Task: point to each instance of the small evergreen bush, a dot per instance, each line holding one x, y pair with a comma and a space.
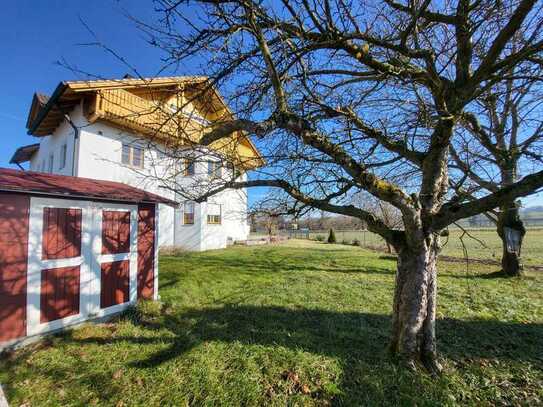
319, 238
332, 236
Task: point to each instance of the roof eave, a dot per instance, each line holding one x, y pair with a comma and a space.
89, 197
62, 86
16, 158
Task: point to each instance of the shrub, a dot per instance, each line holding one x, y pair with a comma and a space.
319, 238
331, 236
345, 241
356, 242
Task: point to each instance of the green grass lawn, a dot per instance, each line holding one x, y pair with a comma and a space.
486, 244
296, 324
483, 244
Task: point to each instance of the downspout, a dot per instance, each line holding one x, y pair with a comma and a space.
76, 137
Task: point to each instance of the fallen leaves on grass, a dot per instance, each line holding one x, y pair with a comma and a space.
295, 385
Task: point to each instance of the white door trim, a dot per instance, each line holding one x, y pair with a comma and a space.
89, 261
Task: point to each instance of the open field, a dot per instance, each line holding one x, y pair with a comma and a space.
482, 244
301, 323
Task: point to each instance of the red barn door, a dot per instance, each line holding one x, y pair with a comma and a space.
14, 213
60, 286
115, 274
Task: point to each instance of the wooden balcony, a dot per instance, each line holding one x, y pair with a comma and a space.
130, 104
156, 121
151, 118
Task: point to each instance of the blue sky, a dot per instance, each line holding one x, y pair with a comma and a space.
37, 34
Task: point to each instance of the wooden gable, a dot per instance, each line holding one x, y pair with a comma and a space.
172, 110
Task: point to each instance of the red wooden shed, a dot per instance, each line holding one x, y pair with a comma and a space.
72, 249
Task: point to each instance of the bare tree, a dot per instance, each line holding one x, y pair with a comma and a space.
503, 140
345, 96
384, 211
269, 212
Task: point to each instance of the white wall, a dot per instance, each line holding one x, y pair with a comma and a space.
98, 156
234, 225
63, 134
100, 149
188, 236
203, 236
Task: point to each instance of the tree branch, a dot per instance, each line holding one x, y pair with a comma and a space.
452, 212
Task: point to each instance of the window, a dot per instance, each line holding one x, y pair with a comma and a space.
213, 214
188, 213
63, 150
132, 155
235, 172
126, 154
214, 169
137, 157
50, 163
189, 167
193, 115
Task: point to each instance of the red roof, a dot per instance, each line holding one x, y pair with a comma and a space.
38, 183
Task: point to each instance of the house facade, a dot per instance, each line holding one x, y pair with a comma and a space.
145, 133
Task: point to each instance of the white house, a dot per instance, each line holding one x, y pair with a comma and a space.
144, 133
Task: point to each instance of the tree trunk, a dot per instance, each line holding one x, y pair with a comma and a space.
414, 309
389, 248
511, 231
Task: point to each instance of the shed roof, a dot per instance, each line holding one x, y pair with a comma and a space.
37, 183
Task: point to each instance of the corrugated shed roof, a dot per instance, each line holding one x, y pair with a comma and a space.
74, 187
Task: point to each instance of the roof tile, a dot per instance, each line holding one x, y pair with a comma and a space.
74, 187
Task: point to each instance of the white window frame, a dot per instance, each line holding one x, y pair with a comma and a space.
188, 163
51, 163
63, 154
131, 161
214, 169
213, 219
234, 171
185, 212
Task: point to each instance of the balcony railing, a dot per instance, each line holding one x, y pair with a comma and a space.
157, 121
149, 117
